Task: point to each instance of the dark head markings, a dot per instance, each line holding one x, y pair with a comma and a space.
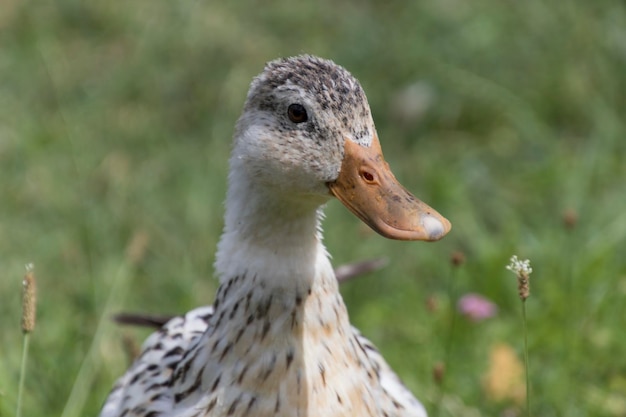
332, 87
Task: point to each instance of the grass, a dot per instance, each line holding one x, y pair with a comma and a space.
29, 315
115, 121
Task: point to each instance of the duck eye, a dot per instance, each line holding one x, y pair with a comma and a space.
297, 113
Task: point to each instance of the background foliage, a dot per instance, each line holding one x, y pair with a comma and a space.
115, 122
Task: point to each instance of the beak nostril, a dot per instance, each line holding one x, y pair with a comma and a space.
367, 176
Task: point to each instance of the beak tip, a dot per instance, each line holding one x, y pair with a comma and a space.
435, 227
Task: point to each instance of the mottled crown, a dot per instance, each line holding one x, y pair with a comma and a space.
336, 92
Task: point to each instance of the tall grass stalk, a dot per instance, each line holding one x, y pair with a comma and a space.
440, 369
29, 304
523, 270
20, 390
526, 358
82, 384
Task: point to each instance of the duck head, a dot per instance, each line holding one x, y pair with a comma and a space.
307, 133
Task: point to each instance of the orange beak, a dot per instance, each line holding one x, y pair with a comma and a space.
369, 189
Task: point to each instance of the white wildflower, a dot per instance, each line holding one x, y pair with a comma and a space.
519, 267
522, 270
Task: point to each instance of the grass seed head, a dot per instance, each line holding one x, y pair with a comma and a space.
439, 371
570, 219
29, 300
457, 258
522, 270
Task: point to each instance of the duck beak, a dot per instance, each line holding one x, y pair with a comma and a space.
369, 189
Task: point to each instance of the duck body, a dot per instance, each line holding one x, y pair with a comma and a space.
277, 341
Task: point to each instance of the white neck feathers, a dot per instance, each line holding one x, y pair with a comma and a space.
270, 234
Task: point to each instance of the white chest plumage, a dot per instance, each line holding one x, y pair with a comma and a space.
272, 354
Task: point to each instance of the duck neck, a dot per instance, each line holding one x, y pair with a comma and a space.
272, 235
279, 328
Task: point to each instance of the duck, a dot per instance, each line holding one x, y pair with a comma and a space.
277, 340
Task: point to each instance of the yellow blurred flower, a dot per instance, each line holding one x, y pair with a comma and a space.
504, 379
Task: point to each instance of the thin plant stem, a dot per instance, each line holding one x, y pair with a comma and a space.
450, 335
526, 358
522, 269
442, 385
75, 403
446, 360
20, 389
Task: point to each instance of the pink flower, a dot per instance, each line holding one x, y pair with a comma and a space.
476, 307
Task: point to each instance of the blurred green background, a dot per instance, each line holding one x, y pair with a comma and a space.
506, 116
